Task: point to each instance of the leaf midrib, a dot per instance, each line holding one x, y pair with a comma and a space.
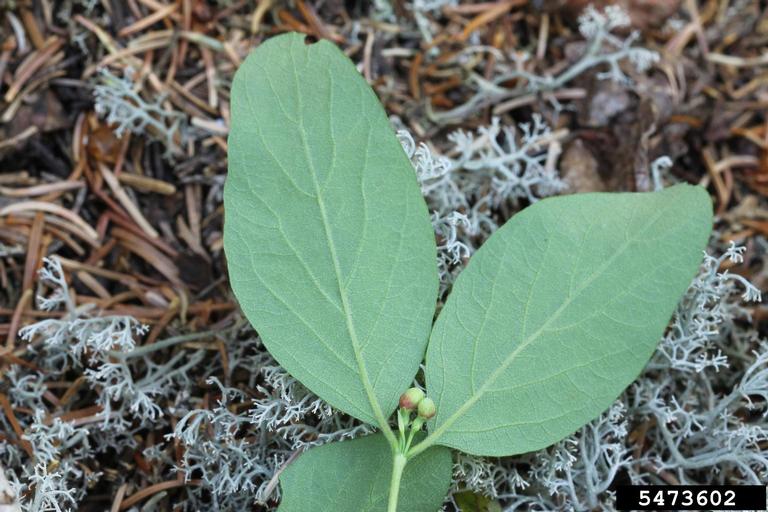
365, 380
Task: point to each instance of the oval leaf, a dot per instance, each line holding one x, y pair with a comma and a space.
353, 476
330, 249
557, 313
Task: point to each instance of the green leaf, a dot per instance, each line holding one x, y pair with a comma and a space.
557, 313
330, 249
468, 501
353, 476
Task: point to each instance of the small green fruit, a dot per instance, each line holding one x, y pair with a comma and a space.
411, 399
427, 408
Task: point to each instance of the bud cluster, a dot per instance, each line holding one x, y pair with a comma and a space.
413, 400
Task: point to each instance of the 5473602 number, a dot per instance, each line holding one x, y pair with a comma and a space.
691, 497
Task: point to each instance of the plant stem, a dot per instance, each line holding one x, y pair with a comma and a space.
398, 464
401, 422
415, 427
423, 445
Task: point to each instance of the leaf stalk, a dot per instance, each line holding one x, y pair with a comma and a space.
398, 464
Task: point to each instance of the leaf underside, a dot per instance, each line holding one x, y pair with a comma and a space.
330, 249
353, 476
557, 313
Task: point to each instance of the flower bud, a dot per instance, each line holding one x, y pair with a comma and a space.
427, 408
411, 399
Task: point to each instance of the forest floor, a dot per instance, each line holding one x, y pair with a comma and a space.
113, 153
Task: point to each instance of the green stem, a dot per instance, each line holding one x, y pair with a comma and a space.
420, 447
415, 427
398, 464
402, 420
